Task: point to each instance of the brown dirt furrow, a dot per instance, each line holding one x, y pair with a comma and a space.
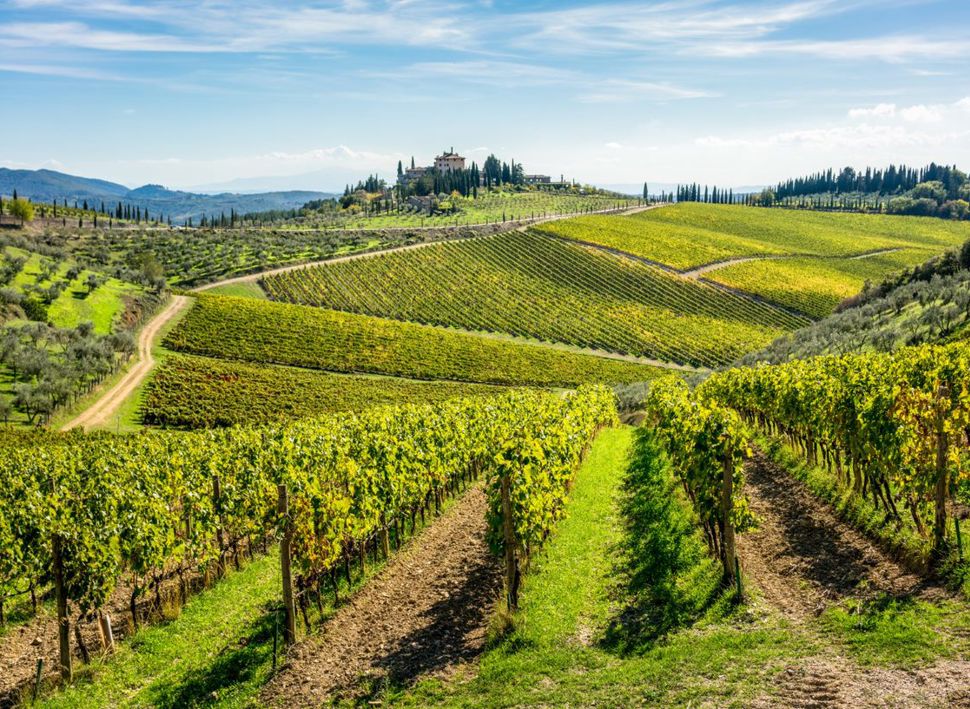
803, 557
838, 683
424, 615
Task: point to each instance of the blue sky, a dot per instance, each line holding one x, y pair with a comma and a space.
211, 92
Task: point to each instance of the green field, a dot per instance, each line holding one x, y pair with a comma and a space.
279, 333
535, 286
687, 235
200, 392
75, 304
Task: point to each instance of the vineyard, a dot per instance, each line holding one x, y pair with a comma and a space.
534, 286
892, 428
279, 333
80, 513
488, 207
814, 286
688, 235
199, 392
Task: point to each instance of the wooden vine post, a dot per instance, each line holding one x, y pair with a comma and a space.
508, 532
942, 482
217, 506
63, 622
727, 508
289, 606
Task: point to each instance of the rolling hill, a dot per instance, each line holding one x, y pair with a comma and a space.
50, 186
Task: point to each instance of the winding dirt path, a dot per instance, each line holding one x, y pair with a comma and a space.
424, 615
699, 271
108, 404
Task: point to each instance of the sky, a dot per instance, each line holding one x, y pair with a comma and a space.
253, 94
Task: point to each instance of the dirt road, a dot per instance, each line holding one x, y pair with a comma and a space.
101, 411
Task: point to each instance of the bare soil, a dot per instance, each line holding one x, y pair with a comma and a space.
424, 615
803, 558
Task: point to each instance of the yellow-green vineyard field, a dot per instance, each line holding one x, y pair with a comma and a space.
687, 235
536, 286
279, 333
814, 285
201, 392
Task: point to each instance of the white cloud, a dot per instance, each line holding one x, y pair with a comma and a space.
892, 49
880, 110
623, 90
613, 146
69, 72
923, 114
885, 129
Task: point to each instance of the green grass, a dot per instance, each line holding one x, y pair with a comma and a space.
535, 286
555, 655
100, 307
898, 632
246, 289
691, 234
278, 333
218, 651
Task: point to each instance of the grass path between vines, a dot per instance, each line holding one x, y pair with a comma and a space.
557, 654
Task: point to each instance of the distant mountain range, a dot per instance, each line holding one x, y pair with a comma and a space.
48, 185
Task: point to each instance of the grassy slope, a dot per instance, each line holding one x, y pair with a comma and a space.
247, 289
815, 285
218, 650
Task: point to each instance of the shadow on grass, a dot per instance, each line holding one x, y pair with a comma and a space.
664, 579
238, 664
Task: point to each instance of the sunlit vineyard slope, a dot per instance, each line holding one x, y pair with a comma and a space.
536, 286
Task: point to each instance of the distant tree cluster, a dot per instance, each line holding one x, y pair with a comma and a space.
704, 193
888, 181
933, 191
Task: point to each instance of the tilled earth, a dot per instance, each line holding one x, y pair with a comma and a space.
803, 559
424, 615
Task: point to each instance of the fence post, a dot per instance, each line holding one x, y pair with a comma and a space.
511, 564
63, 622
107, 635
217, 507
939, 525
289, 607
727, 507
